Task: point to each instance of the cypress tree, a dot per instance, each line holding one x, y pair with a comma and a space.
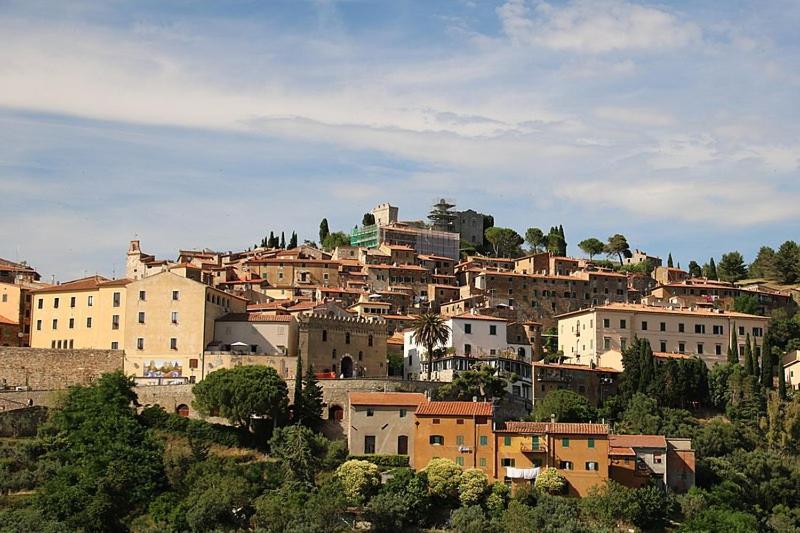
648, 366
283, 241
563, 251
669, 260
748, 357
712, 269
271, 239
733, 349
766, 363
756, 368
323, 230
781, 380
293, 240
298, 390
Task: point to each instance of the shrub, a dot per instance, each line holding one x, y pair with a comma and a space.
550, 481
472, 486
716, 519
443, 477
392, 461
469, 520
497, 500
359, 479
518, 517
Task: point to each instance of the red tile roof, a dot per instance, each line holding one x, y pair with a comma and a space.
386, 398
83, 284
565, 428
585, 368
455, 409
8, 321
470, 316
637, 441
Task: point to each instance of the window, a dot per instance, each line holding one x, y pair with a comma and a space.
606, 343
590, 443
324, 335
173, 343
403, 413
71, 343
140, 343
741, 329
174, 317
72, 301
142, 295
592, 465
114, 321
347, 338
623, 343
141, 317
402, 445
460, 460
460, 421
507, 461
507, 440
115, 345
55, 323
467, 349
90, 301
88, 322
657, 458
644, 325
176, 295
535, 442
606, 322
436, 440
681, 347
370, 412
459, 440
369, 340
758, 332
193, 363
38, 325
663, 346
71, 323
565, 465
662, 326
116, 299
369, 443
565, 442
717, 349
717, 330
623, 324
484, 440
482, 462
681, 328
468, 328
492, 329
699, 347
436, 421
55, 303
700, 328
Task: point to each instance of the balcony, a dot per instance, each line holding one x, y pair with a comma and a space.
528, 447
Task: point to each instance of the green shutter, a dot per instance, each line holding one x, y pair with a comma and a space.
591, 443
507, 441
565, 442
484, 440
535, 442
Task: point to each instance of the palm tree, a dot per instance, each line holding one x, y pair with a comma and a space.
430, 331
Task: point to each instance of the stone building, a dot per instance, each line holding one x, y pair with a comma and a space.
594, 383
382, 422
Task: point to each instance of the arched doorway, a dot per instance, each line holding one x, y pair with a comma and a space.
335, 412
347, 367
182, 410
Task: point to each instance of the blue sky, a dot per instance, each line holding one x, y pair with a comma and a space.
200, 124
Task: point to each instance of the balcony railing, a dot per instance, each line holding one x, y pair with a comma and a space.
528, 447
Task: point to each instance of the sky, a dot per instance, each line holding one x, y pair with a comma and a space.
190, 124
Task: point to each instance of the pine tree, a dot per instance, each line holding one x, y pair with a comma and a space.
298, 390
283, 241
669, 260
323, 230
766, 363
733, 349
312, 401
748, 356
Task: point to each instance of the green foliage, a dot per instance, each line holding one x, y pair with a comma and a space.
243, 392
610, 504
334, 240
505, 242
22, 422
731, 267
787, 262
716, 519
311, 401
394, 461
472, 486
403, 502
764, 264
567, 406
359, 479
746, 303
642, 416
592, 247
443, 477
323, 230
618, 245
368, 219
300, 449
710, 269
481, 383
430, 330
154, 416
535, 239
550, 481
497, 500
669, 261
470, 519
518, 517
556, 242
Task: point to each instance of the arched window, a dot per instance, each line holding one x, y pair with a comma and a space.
182, 410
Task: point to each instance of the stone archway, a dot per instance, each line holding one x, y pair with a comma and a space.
347, 366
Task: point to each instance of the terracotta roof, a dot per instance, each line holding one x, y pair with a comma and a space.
83, 284
386, 398
470, 316
116, 282
455, 409
637, 441
254, 317
612, 450
565, 428
397, 338
8, 321
435, 257
584, 368
397, 267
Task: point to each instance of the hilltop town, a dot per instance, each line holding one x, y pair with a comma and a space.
445, 339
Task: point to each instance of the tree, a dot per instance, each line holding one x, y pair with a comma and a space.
241, 393
470, 519
283, 241
444, 477
764, 266
591, 247
550, 481
472, 486
781, 381
669, 260
748, 357
301, 450
746, 303
731, 267
368, 219
335, 240
311, 401
618, 245
293, 240
754, 366
360, 480
271, 240
567, 406
442, 216
694, 269
535, 239
641, 416
710, 269
733, 349
483, 382
404, 502
430, 330
767, 362
556, 243
505, 242
787, 262
323, 230
297, 405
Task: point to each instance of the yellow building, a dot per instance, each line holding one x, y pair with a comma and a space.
169, 322
80, 314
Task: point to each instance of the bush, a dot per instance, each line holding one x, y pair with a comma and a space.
359, 479
403, 502
472, 487
518, 517
550, 481
444, 477
716, 519
391, 461
156, 417
22, 422
497, 500
469, 520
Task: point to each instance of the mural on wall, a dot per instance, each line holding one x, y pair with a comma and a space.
163, 369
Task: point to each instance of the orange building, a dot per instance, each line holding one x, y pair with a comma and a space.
578, 451
459, 431
639, 460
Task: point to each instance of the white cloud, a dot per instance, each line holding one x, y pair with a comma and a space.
635, 116
596, 26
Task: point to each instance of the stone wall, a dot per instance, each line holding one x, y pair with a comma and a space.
45, 369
